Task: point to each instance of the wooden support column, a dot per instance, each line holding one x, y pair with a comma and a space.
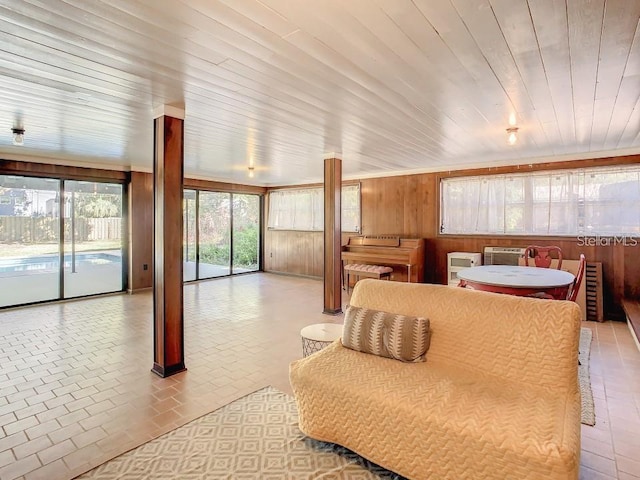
332, 235
168, 318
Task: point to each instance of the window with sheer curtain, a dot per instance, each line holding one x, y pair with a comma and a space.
590, 201
303, 209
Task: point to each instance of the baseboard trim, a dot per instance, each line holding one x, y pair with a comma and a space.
289, 274
139, 290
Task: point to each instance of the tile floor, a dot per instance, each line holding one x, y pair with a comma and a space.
76, 387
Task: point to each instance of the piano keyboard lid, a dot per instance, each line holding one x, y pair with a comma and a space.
381, 240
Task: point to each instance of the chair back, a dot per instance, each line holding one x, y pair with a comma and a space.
582, 266
542, 256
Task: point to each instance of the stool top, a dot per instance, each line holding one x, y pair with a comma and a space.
322, 332
368, 268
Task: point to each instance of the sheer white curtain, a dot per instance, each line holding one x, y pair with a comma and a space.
612, 201
351, 208
473, 205
597, 201
303, 209
554, 203
280, 211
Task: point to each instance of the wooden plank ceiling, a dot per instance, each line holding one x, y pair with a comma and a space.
395, 85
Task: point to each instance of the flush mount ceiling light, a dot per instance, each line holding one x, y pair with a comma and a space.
18, 136
512, 133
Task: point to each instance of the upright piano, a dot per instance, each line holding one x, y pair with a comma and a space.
405, 255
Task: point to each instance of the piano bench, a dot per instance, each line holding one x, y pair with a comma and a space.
370, 271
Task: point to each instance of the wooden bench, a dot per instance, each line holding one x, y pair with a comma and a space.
632, 311
370, 271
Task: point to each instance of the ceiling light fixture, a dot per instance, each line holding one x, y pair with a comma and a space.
251, 170
18, 136
512, 133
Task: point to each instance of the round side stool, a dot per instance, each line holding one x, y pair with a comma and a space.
317, 336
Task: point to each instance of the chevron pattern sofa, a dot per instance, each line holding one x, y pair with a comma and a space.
497, 398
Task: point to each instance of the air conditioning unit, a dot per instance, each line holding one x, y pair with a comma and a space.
502, 255
456, 261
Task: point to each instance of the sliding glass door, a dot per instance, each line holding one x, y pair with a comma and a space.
92, 238
37, 262
214, 229
29, 240
221, 234
246, 233
189, 248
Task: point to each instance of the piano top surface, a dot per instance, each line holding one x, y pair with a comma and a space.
384, 242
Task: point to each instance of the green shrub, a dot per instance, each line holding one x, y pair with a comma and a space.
245, 247
245, 250
214, 254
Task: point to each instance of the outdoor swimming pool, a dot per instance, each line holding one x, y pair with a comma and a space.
47, 263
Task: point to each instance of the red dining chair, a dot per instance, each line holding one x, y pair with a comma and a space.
542, 256
573, 292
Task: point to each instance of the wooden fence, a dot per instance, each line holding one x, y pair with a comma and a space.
45, 229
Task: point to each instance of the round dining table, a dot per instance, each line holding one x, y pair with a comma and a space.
515, 280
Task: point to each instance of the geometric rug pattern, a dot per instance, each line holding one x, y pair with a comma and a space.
254, 437
257, 437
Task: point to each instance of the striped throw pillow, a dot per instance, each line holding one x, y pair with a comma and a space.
386, 334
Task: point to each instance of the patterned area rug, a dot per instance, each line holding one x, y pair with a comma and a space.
257, 437
588, 412
254, 437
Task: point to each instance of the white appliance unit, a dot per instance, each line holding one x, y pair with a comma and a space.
502, 255
456, 261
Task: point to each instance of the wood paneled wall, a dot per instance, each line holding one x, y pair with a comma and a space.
405, 205
409, 206
295, 253
141, 231
223, 187
35, 169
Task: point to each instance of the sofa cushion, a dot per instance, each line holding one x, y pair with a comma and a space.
386, 334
